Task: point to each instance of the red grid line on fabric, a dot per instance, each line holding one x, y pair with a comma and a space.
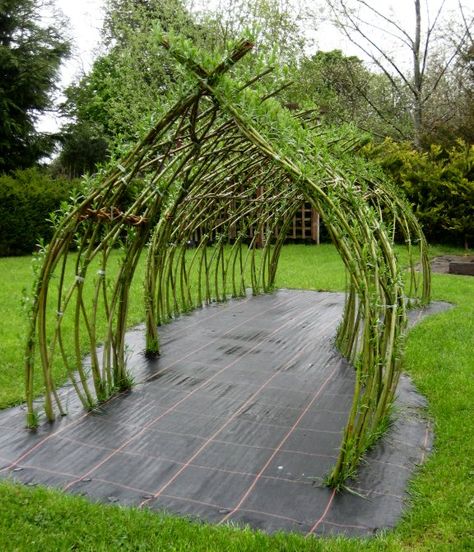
310, 482
305, 410
346, 412
193, 501
294, 408
187, 396
313, 454
38, 468
165, 432
229, 420
278, 388
384, 462
299, 522
368, 492
346, 525
223, 470
302, 428
104, 420
115, 397
121, 485
393, 440
339, 395
323, 515
278, 516
264, 424
258, 447
85, 444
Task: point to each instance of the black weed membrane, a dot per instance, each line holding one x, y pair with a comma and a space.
238, 420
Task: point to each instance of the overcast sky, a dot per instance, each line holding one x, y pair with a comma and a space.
85, 22
86, 17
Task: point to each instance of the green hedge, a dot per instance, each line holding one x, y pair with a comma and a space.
439, 183
27, 197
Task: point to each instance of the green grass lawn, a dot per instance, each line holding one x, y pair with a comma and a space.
439, 357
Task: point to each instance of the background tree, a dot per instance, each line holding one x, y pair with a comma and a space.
452, 116
30, 55
332, 80
134, 80
127, 85
83, 147
274, 24
412, 65
344, 90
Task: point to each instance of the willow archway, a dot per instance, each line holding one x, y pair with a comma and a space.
229, 168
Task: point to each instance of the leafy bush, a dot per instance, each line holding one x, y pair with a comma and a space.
439, 183
27, 197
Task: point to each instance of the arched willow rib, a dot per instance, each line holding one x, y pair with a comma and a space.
208, 196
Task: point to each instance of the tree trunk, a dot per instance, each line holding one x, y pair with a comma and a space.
417, 80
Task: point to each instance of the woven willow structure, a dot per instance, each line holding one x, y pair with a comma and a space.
224, 170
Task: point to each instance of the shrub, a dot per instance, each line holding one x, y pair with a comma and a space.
439, 183
27, 197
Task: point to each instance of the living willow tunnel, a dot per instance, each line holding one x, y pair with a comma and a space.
207, 196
